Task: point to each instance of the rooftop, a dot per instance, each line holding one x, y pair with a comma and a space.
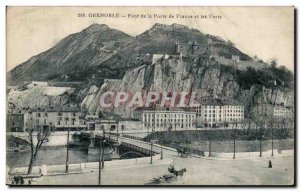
185, 109
57, 109
219, 102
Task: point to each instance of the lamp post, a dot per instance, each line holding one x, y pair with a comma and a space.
209, 148
117, 132
67, 159
102, 148
260, 141
272, 140
100, 158
161, 152
234, 141
151, 153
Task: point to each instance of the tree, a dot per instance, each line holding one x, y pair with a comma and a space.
273, 63
41, 136
84, 111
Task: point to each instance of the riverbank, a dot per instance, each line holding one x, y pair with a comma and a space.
179, 137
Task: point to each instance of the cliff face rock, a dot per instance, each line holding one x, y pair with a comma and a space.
38, 97
176, 75
172, 75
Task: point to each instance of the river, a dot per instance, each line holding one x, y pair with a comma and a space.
58, 155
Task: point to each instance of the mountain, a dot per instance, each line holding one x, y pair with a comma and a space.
101, 52
75, 56
163, 58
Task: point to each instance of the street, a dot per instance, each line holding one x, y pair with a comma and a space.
199, 172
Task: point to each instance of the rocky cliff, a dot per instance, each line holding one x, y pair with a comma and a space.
176, 75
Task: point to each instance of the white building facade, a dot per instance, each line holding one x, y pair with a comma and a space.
216, 114
165, 119
55, 119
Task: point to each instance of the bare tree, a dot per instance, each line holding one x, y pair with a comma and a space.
41, 136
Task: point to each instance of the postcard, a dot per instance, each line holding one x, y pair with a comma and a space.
150, 96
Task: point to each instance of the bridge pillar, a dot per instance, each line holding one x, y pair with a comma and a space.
116, 154
92, 150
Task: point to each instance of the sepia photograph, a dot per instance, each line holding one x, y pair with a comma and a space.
150, 96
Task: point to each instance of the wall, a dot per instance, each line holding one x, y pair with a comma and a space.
251, 154
55, 138
82, 167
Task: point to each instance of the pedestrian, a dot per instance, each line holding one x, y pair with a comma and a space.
270, 164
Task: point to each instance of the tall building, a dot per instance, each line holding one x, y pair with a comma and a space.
216, 113
165, 118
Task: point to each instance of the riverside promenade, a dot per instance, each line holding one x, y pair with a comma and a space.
199, 170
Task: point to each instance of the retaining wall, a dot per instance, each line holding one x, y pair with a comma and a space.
250, 154
82, 167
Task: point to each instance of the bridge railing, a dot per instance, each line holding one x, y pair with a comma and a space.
139, 149
133, 137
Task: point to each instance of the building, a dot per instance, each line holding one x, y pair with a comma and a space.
215, 113
157, 57
181, 48
15, 122
235, 58
112, 122
165, 118
106, 80
55, 119
192, 48
107, 121
200, 49
130, 124
278, 111
37, 84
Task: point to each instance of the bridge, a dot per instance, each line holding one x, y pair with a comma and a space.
132, 143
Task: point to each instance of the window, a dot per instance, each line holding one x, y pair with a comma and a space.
73, 121
59, 113
38, 115
74, 114
45, 114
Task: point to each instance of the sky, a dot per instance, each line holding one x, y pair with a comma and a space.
267, 32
